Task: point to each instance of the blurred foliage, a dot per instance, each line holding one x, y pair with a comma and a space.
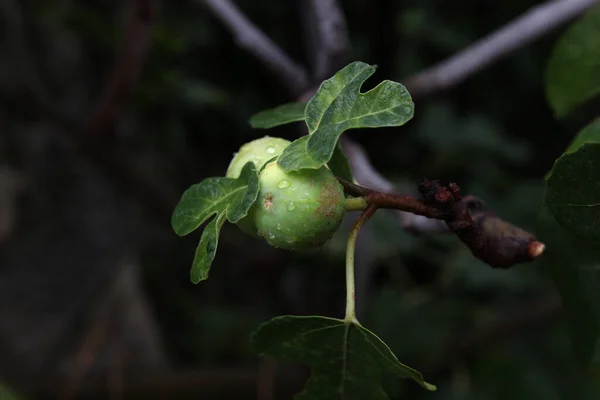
572, 76
495, 135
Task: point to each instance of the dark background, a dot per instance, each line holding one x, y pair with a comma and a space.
95, 296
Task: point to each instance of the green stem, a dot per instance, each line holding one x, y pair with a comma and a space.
350, 249
356, 204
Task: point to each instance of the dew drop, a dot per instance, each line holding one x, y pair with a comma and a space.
271, 236
278, 226
407, 110
291, 206
282, 184
270, 149
259, 233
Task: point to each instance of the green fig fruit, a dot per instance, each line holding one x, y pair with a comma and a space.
295, 210
298, 210
258, 151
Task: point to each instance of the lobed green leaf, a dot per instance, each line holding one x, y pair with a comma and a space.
281, 115
347, 361
573, 72
573, 191
228, 199
339, 106
339, 164
214, 195
207, 248
589, 134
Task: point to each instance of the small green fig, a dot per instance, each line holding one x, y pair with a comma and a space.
298, 210
258, 151
295, 210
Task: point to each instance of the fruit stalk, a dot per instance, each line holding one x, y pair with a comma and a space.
356, 204
350, 250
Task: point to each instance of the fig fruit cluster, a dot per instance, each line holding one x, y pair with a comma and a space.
295, 210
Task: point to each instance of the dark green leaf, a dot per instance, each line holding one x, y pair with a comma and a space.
284, 114
573, 193
226, 198
575, 270
347, 361
338, 106
573, 72
207, 248
7, 394
567, 260
589, 134
214, 195
339, 164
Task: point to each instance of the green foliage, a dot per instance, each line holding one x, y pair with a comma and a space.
283, 114
571, 265
347, 361
572, 75
573, 194
339, 164
338, 106
7, 394
589, 134
225, 197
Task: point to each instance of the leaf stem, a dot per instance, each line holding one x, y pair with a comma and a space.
356, 204
350, 249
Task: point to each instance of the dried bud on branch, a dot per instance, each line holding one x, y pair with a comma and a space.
490, 238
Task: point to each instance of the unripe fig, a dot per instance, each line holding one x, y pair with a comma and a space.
298, 210
258, 151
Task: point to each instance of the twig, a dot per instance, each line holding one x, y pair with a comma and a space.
265, 382
491, 239
95, 338
126, 72
513, 36
366, 175
327, 34
249, 37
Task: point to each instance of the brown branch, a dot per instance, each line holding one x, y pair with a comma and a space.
126, 73
522, 31
491, 239
265, 382
327, 36
366, 175
250, 38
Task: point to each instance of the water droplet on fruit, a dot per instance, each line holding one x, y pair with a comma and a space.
270, 149
289, 240
271, 236
278, 226
259, 233
291, 206
282, 184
